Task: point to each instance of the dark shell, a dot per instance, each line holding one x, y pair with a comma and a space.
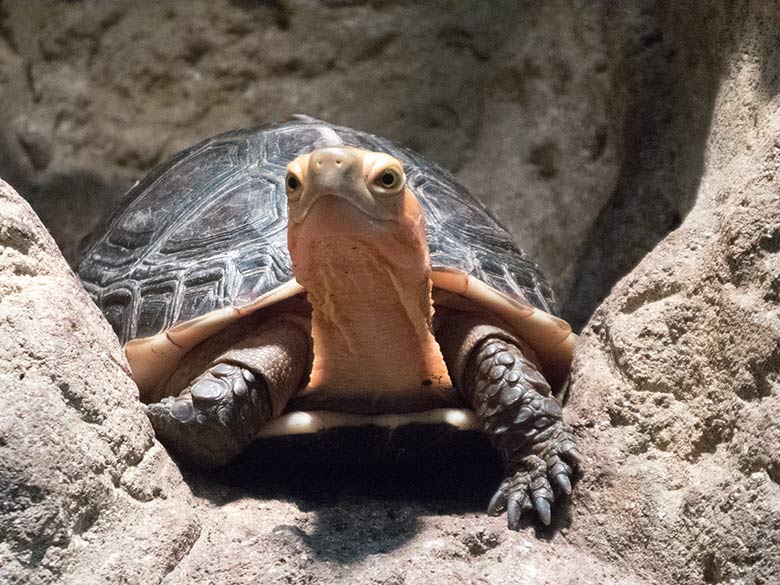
208, 229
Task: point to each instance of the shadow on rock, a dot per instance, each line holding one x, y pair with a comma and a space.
71, 204
368, 490
666, 124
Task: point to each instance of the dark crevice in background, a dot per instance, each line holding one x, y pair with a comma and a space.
666, 70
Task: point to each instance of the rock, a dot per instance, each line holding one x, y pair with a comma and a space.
592, 129
666, 68
87, 494
368, 539
676, 393
548, 152
90, 497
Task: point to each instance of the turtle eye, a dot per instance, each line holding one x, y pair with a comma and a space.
292, 183
389, 180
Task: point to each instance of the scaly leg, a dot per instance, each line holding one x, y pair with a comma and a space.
222, 410
498, 375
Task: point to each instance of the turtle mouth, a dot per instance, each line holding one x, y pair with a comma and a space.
327, 199
335, 212
333, 217
355, 194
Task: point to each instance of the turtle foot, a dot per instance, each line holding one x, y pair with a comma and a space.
550, 466
525, 422
216, 417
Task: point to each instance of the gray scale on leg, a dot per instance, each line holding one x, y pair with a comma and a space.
492, 348
219, 414
505, 359
510, 395
517, 412
496, 373
485, 367
224, 408
493, 389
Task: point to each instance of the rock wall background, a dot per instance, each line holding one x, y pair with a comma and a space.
532, 103
593, 129
677, 379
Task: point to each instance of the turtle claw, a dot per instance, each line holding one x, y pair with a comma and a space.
212, 421
497, 503
516, 505
564, 483
543, 509
561, 473
530, 482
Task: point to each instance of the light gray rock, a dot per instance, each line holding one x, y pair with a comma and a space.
593, 128
86, 494
666, 67
548, 153
373, 541
676, 392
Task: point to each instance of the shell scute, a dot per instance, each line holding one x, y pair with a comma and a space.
207, 230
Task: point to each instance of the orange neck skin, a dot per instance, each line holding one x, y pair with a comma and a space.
369, 285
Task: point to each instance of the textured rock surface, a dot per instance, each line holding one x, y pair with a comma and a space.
676, 392
86, 494
677, 381
374, 528
666, 67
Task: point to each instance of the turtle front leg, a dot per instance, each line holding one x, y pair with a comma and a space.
498, 375
224, 408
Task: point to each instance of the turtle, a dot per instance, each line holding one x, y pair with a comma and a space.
302, 276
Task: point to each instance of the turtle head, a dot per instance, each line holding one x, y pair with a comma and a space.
356, 236
358, 196
373, 182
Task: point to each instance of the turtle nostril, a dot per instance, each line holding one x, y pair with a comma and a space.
338, 162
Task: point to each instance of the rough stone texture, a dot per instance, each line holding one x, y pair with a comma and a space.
676, 392
516, 96
375, 528
88, 496
86, 493
666, 65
